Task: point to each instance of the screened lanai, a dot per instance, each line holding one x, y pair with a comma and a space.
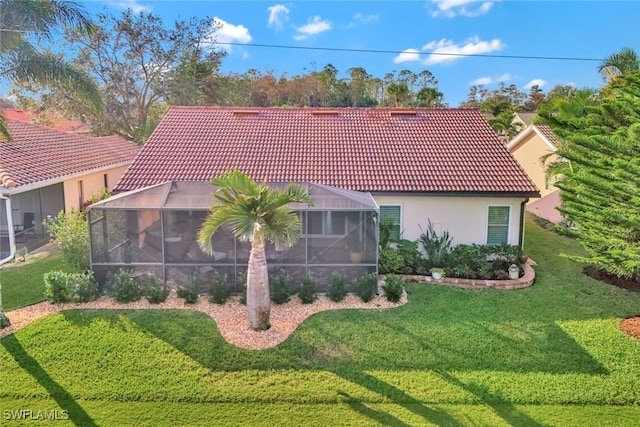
155, 229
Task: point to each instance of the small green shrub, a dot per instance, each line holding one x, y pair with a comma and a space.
241, 279
365, 287
307, 290
154, 290
390, 260
189, 292
279, 288
122, 287
219, 291
337, 288
56, 286
393, 287
82, 287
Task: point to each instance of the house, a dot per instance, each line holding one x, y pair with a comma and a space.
46, 119
443, 165
44, 171
406, 166
534, 148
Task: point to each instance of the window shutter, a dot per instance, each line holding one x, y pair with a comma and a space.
498, 225
391, 214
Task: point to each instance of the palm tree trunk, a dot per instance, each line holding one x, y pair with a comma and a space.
258, 298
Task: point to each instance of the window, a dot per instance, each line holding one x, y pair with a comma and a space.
498, 225
392, 215
325, 223
80, 195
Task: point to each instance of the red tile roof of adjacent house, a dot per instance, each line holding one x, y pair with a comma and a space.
55, 122
39, 153
377, 150
548, 133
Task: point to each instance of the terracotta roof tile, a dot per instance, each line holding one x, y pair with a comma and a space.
377, 150
548, 133
63, 124
39, 153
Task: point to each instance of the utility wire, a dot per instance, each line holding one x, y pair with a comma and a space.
395, 52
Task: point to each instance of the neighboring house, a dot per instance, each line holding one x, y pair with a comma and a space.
44, 171
446, 166
534, 148
525, 118
46, 119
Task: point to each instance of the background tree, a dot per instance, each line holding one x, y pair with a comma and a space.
258, 215
618, 64
22, 62
140, 63
601, 190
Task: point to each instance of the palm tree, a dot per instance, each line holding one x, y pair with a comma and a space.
20, 61
619, 64
505, 125
256, 214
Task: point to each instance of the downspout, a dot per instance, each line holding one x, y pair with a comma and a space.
521, 236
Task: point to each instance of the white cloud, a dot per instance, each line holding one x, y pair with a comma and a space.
229, 33
315, 26
407, 55
278, 15
360, 18
505, 77
300, 37
449, 51
133, 5
481, 81
469, 8
536, 82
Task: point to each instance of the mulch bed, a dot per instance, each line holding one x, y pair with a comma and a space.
630, 326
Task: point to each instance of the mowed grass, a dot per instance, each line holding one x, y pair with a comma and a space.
551, 354
22, 285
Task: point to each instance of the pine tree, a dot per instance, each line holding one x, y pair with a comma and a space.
601, 190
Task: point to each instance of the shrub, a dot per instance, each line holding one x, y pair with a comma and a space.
122, 287
241, 279
190, 291
411, 257
435, 247
365, 287
390, 260
82, 287
70, 232
55, 286
219, 290
393, 287
154, 290
279, 289
337, 288
307, 290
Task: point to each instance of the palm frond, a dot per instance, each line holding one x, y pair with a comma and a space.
48, 69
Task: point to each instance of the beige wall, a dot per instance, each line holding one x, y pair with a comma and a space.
92, 183
528, 153
465, 218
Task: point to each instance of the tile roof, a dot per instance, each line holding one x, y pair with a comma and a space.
548, 133
377, 150
39, 153
56, 123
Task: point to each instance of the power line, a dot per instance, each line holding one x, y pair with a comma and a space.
396, 52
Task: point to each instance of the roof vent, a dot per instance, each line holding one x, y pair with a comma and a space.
326, 113
404, 112
246, 112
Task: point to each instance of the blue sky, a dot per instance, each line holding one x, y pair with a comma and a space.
574, 29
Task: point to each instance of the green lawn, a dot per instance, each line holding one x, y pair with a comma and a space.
551, 354
22, 285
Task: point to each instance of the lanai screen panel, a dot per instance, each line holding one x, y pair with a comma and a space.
156, 230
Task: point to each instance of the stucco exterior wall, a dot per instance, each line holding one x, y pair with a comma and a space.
528, 153
92, 183
465, 218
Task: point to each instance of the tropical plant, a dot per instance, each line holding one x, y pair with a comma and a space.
307, 290
219, 291
365, 287
621, 63
190, 291
435, 246
337, 287
393, 287
256, 214
279, 292
22, 62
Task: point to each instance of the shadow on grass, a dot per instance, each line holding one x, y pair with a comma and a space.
77, 415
